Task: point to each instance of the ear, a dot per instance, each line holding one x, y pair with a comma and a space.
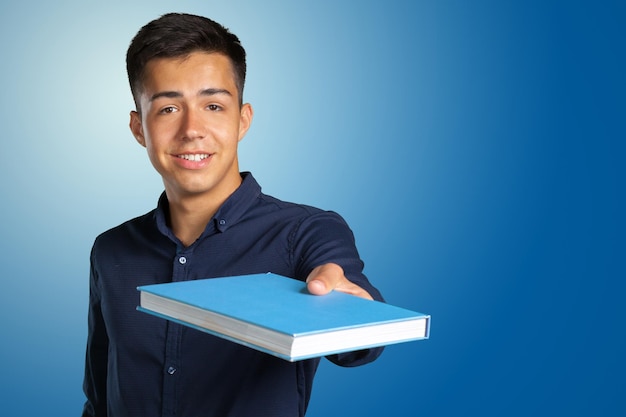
137, 128
245, 119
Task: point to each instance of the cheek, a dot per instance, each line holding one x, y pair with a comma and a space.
226, 135
156, 138
155, 152
154, 158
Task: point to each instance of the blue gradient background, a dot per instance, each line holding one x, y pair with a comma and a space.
476, 149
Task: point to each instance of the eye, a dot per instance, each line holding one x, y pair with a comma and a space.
167, 110
214, 107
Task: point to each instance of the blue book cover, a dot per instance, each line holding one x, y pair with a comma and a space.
277, 315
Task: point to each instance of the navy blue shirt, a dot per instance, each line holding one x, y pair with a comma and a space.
141, 365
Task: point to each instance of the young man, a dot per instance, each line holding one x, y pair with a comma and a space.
187, 75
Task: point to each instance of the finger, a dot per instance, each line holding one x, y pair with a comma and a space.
349, 287
329, 277
317, 287
324, 279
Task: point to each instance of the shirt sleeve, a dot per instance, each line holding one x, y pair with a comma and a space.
325, 237
94, 383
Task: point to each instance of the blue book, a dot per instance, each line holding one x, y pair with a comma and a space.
277, 315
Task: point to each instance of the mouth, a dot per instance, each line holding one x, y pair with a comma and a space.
196, 157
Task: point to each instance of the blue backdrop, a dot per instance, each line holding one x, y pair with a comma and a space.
476, 149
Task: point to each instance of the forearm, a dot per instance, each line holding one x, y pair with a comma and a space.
327, 250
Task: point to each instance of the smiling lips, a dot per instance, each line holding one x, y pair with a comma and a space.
194, 157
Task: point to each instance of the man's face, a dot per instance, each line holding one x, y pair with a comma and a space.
191, 124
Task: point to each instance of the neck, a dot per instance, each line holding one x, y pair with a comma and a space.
189, 215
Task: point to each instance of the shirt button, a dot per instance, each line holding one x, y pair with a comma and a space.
182, 260
222, 222
171, 370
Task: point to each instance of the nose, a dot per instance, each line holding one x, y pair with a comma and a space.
193, 125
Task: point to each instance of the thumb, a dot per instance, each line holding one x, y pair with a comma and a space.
324, 278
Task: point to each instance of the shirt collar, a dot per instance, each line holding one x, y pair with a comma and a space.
226, 216
238, 203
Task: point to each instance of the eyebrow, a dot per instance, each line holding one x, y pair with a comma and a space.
177, 94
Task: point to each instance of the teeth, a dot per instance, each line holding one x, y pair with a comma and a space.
194, 157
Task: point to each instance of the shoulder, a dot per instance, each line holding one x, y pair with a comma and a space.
286, 206
304, 222
124, 232
296, 212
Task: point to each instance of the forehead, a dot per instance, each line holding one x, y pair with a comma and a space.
195, 71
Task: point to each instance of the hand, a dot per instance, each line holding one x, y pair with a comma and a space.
328, 277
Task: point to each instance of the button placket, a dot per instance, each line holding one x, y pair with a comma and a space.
181, 264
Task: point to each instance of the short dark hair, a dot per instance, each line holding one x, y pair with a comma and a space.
178, 35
